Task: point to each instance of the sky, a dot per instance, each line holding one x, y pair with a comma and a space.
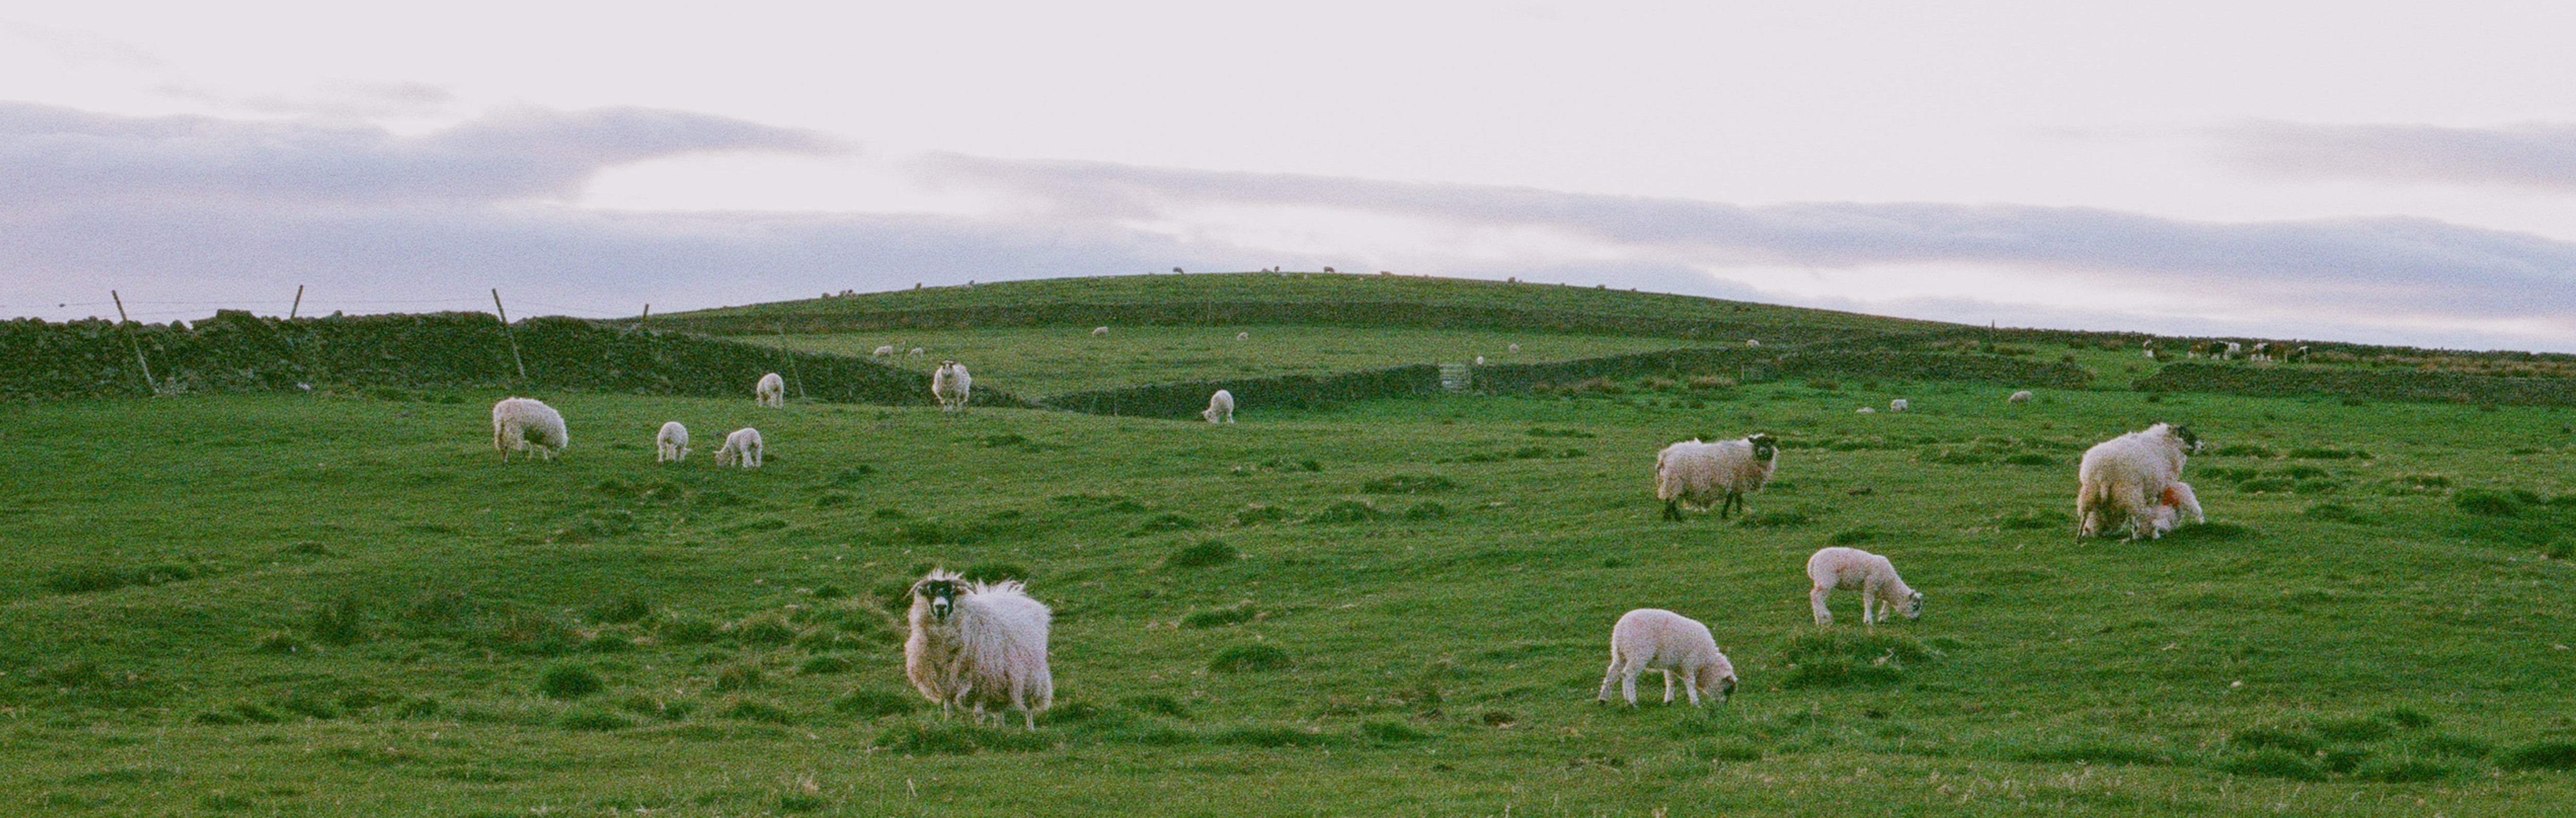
2400, 173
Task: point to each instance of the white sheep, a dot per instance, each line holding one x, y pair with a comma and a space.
1480, 360
2178, 499
1243, 336
951, 385
1656, 639
741, 448
1897, 405
915, 353
771, 391
1751, 342
1865, 410
975, 644
1870, 574
2020, 397
1099, 332
1220, 407
1718, 474
672, 443
885, 351
2129, 475
520, 423
1515, 347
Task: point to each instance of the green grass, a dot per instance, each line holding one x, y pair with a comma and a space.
328, 605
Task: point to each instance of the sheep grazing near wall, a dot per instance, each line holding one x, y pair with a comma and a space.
519, 424
1656, 639
1701, 475
771, 391
951, 386
2121, 481
975, 644
1220, 407
672, 443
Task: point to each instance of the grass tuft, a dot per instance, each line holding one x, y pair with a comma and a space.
1203, 555
569, 682
1247, 658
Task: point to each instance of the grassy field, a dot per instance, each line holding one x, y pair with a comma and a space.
1041, 361
345, 605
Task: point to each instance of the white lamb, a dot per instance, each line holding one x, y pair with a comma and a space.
977, 644
1515, 347
2130, 476
1097, 332
2177, 500
1718, 474
741, 448
1897, 405
2020, 397
772, 390
1656, 639
1871, 574
672, 443
886, 351
521, 423
1220, 407
915, 353
951, 385
1243, 336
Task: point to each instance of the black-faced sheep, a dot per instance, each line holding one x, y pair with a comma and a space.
1656, 639
2129, 476
977, 644
1700, 475
521, 423
1881, 590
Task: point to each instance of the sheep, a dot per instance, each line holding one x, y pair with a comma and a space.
1220, 407
672, 443
1480, 360
1243, 336
771, 391
742, 448
2177, 500
1897, 405
2125, 473
520, 423
1705, 474
1865, 410
951, 385
915, 353
1656, 639
1515, 347
885, 351
2019, 398
1099, 332
1870, 574
975, 644
1752, 342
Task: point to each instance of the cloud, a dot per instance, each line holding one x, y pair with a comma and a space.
2540, 154
55, 156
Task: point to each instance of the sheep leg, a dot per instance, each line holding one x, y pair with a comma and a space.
1608, 677
1672, 510
1690, 684
1668, 685
1816, 598
1734, 501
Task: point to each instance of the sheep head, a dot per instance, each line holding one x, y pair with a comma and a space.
1712, 680
1765, 446
1913, 605
938, 593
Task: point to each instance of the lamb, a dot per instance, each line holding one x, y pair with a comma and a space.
886, 351
1704, 474
2019, 398
1243, 336
1515, 347
672, 443
2176, 501
1752, 342
1099, 332
1657, 639
950, 385
2130, 475
740, 448
1871, 574
1897, 405
519, 423
915, 353
772, 391
1220, 407
977, 644
1480, 360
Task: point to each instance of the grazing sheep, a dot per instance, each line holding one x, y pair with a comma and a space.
1515, 347
740, 448
1656, 639
1870, 574
1897, 405
519, 423
1243, 336
951, 385
2178, 499
915, 353
1220, 407
2129, 475
2018, 398
1750, 342
1480, 360
1865, 410
1704, 474
672, 443
1099, 332
772, 391
886, 351
975, 644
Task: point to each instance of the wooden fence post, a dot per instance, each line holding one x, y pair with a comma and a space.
137, 343
506, 333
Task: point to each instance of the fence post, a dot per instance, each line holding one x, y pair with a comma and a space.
791, 361
299, 302
507, 334
137, 343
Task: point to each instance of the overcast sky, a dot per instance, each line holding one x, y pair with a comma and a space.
2393, 173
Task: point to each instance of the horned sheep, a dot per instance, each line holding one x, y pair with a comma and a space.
2130, 476
771, 391
519, 424
975, 644
1870, 574
1220, 407
1656, 639
742, 448
1718, 474
951, 385
672, 443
